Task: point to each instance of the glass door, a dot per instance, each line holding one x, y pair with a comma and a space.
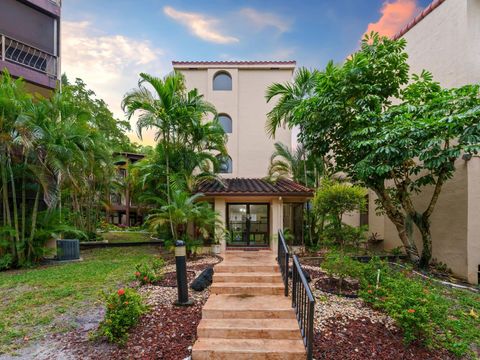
248, 224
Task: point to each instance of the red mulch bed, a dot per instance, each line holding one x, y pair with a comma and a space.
170, 279
166, 333
363, 340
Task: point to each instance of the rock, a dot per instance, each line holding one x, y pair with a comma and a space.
203, 280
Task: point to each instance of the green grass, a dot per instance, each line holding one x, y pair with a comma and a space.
126, 236
41, 300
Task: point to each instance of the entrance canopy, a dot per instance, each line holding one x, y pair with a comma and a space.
253, 187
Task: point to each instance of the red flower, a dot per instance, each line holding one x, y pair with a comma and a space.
411, 311
137, 274
369, 291
126, 302
145, 278
121, 292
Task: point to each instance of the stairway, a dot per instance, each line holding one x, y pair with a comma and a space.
247, 315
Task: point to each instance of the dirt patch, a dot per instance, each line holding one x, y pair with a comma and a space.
362, 339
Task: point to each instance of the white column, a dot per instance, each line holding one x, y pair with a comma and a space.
220, 207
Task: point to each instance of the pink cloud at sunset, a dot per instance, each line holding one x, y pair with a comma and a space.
395, 15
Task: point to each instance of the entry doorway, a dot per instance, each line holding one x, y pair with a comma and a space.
248, 224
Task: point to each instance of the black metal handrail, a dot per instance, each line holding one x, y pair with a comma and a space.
303, 303
283, 258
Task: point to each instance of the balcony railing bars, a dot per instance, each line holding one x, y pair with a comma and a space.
26, 55
283, 258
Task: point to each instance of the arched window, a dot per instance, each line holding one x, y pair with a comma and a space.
225, 164
222, 81
226, 122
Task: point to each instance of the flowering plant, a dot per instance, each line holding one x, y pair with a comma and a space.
123, 309
148, 273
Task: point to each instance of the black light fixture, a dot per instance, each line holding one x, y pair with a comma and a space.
181, 265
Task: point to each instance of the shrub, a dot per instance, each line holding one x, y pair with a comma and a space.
6, 261
123, 309
148, 273
424, 311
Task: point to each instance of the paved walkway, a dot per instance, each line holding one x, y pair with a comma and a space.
247, 315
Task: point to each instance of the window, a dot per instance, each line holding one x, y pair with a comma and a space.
225, 166
226, 122
222, 81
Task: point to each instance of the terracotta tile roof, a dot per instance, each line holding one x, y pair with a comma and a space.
253, 186
433, 5
289, 62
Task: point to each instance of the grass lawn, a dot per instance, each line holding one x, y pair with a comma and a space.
126, 236
33, 299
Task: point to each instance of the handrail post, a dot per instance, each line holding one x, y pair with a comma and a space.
286, 273
3, 47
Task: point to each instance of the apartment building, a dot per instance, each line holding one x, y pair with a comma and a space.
30, 42
252, 208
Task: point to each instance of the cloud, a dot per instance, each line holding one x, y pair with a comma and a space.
395, 15
109, 64
262, 20
200, 25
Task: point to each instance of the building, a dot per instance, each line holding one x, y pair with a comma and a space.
122, 210
252, 208
30, 42
445, 40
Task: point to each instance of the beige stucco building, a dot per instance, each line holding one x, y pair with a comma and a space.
252, 208
445, 40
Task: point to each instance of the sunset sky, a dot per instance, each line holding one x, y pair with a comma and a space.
108, 43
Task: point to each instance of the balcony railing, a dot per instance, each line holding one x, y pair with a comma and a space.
283, 258
26, 55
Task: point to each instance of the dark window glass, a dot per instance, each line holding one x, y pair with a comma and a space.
222, 81
225, 164
226, 122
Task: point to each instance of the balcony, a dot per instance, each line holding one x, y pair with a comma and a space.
22, 54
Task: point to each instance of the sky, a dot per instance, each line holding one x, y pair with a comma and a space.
108, 43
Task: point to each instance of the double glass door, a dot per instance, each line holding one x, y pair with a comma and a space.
248, 224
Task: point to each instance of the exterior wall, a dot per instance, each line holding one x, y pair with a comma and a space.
447, 43
248, 145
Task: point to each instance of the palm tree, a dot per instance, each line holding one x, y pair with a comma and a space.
174, 113
290, 96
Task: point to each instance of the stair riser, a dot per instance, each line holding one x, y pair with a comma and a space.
247, 290
280, 334
275, 279
229, 355
248, 314
245, 268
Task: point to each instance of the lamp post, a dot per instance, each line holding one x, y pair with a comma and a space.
181, 265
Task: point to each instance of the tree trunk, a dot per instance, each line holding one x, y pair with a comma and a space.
423, 225
399, 220
34, 225
15, 209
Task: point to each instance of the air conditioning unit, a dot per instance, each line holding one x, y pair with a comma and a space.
68, 249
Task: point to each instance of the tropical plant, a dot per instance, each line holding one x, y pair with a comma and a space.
184, 139
395, 149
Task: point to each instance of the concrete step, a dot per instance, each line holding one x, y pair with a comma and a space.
252, 277
286, 329
243, 268
248, 349
248, 288
248, 307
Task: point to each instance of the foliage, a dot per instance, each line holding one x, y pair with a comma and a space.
395, 149
437, 316
123, 310
332, 201
149, 272
34, 298
54, 153
184, 155
182, 210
